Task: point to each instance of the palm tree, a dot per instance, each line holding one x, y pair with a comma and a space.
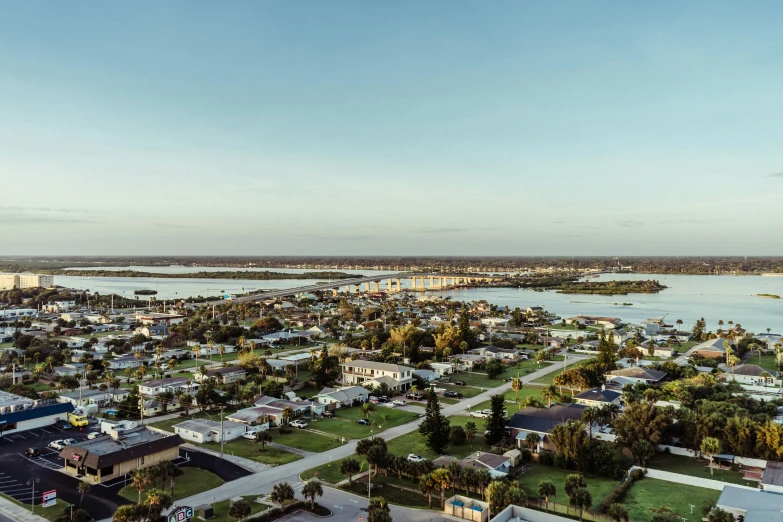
126, 513
546, 490
367, 409
582, 499
83, 488
349, 466
618, 513
156, 502
287, 414
311, 490
196, 349
470, 432
443, 481
282, 493
532, 440
710, 446
163, 470
548, 393
591, 415
516, 385
427, 486
262, 437
378, 510
221, 349
173, 474
141, 480
240, 510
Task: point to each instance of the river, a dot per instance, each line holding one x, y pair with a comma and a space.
687, 297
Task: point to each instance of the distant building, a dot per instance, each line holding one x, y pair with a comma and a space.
204, 430
635, 374
753, 506
367, 373
19, 413
598, 397
25, 280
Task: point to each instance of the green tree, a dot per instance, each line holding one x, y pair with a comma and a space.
496, 422
549, 393
240, 510
640, 423
282, 493
349, 467
378, 510
516, 385
573, 482
83, 488
126, 513
427, 486
571, 441
494, 368
546, 490
262, 437
311, 490
495, 495
470, 432
532, 441
719, 515
443, 481
618, 513
581, 499
141, 480
591, 415
156, 502
710, 446
435, 426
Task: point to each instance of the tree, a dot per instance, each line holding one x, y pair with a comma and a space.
719, 515
378, 510
548, 393
494, 368
591, 415
282, 493
156, 502
83, 488
532, 439
573, 482
496, 422
349, 466
126, 513
443, 481
571, 441
287, 414
546, 490
516, 385
240, 510
457, 436
581, 499
427, 486
186, 401
311, 490
141, 480
367, 409
470, 432
710, 446
495, 495
435, 426
618, 513
262, 437
641, 422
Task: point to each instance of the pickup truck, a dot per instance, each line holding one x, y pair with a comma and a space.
483, 414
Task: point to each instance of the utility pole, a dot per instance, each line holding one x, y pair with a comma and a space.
222, 434
141, 409
33, 482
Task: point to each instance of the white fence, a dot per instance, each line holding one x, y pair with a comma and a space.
678, 478
755, 463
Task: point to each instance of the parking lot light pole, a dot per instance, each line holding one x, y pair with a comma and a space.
33, 482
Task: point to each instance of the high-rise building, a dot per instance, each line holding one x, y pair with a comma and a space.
8, 281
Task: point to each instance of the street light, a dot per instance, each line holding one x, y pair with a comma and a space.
33, 482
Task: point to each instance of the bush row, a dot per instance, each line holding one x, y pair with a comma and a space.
618, 493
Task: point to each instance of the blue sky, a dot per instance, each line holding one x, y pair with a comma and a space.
435, 127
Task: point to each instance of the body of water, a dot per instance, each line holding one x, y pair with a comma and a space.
687, 297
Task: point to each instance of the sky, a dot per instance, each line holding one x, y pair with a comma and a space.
391, 128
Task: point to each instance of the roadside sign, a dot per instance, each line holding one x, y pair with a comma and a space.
360, 519
49, 498
181, 514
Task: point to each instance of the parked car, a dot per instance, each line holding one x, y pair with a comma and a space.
445, 379
363, 422
454, 394
328, 413
69, 442
298, 424
56, 445
32, 453
483, 414
164, 366
63, 425
249, 435
92, 435
373, 399
389, 404
415, 396
399, 402
459, 383
415, 458
383, 399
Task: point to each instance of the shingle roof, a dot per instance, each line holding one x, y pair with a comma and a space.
773, 474
749, 369
542, 420
596, 394
638, 372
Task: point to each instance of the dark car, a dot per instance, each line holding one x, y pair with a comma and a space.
383, 399
454, 394
32, 452
328, 414
459, 383
363, 422
63, 425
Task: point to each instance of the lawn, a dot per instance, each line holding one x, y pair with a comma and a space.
248, 449
330, 472
49, 513
514, 406
466, 391
648, 496
768, 362
306, 440
168, 425
696, 468
599, 487
344, 422
395, 495
221, 509
479, 380
192, 481
548, 378
414, 442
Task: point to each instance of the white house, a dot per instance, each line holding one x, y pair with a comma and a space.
751, 374
172, 384
635, 374
374, 373
598, 397
443, 368
344, 396
204, 430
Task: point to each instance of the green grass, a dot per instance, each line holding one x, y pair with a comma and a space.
466, 391
192, 481
330, 472
549, 378
599, 487
344, 422
221, 509
305, 440
397, 496
696, 468
414, 442
248, 449
512, 407
168, 425
768, 362
50, 513
646, 497
479, 379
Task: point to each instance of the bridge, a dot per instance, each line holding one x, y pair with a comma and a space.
378, 283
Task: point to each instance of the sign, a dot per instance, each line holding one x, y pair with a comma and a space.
49, 498
74, 456
181, 514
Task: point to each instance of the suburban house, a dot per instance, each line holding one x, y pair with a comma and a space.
225, 375
172, 384
714, 348
343, 397
205, 430
466, 361
105, 458
443, 368
633, 375
587, 320
269, 409
127, 361
751, 374
541, 421
753, 506
772, 480
495, 352
96, 397
371, 373
318, 332
598, 397
427, 375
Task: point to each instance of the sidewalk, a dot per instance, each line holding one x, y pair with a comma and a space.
18, 513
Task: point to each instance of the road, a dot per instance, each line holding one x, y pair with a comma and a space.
259, 485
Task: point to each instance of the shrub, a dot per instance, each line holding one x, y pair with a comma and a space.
618, 494
547, 458
457, 436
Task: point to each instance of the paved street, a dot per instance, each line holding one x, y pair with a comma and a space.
259, 484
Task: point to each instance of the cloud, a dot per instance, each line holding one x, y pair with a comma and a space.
630, 224
173, 225
775, 175
439, 230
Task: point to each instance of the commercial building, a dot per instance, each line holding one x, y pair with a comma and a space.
106, 457
25, 280
19, 413
204, 430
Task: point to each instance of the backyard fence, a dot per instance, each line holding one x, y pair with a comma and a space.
678, 478
565, 509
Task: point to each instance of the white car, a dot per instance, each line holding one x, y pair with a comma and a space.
92, 435
56, 445
389, 405
164, 366
250, 435
483, 414
415, 458
298, 424
69, 442
399, 402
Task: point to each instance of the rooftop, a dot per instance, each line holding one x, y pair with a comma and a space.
773, 474
107, 451
597, 394
205, 425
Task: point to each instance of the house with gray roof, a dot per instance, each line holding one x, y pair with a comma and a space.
636, 374
205, 430
752, 505
541, 421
